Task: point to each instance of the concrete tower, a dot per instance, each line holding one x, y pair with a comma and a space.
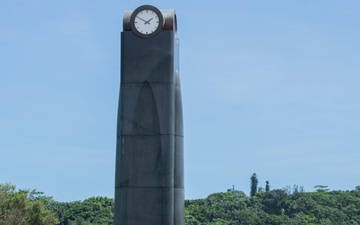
149, 182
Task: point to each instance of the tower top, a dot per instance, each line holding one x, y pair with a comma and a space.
147, 21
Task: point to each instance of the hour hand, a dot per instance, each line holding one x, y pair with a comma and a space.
148, 22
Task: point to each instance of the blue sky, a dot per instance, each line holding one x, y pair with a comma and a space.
270, 87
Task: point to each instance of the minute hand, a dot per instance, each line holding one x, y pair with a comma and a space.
142, 19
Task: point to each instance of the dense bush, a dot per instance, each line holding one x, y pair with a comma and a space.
23, 208
276, 207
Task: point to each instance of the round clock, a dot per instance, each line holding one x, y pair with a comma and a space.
146, 21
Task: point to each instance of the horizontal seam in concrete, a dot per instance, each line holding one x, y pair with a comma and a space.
135, 187
141, 82
148, 135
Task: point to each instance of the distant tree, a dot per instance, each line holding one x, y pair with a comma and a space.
267, 187
275, 207
287, 189
357, 188
260, 189
321, 188
253, 184
301, 189
190, 220
275, 201
91, 211
22, 208
296, 188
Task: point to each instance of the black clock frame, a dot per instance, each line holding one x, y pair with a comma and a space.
146, 7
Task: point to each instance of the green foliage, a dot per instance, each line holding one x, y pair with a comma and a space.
91, 211
21, 208
253, 185
276, 207
321, 188
267, 187
272, 207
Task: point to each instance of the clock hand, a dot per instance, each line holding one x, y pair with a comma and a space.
148, 22
142, 19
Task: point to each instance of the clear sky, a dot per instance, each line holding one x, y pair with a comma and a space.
270, 87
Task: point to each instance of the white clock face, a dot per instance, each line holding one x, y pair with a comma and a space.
146, 21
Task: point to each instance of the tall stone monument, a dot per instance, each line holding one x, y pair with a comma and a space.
149, 182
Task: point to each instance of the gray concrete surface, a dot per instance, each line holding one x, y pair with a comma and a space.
149, 182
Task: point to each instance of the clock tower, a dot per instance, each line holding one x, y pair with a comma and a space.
149, 179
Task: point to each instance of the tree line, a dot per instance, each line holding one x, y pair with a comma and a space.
261, 207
